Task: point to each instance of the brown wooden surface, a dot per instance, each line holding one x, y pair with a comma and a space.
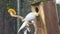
47, 22
42, 18
40, 21
51, 17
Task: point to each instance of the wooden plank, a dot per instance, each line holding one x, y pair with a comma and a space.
47, 21
40, 21
51, 17
42, 29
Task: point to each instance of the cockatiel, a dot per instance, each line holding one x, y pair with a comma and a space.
29, 17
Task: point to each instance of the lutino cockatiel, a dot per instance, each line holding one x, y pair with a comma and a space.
29, 17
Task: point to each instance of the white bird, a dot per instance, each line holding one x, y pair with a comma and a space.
29, 17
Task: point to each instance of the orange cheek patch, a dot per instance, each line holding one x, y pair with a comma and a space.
12, 11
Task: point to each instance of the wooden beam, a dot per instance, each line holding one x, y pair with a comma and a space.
47, 21
51, 17
40, 20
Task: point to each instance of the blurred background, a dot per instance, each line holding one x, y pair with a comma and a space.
8, 24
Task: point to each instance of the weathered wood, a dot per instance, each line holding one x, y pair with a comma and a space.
40, 21
51, 17
42, 18
47, 21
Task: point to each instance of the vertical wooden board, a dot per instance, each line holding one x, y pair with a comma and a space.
51, 17
42, 18
39, 25
38, 21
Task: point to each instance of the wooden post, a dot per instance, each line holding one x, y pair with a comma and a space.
51, 17
47, 21
40, 20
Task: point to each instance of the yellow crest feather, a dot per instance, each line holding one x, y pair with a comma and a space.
12, 11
